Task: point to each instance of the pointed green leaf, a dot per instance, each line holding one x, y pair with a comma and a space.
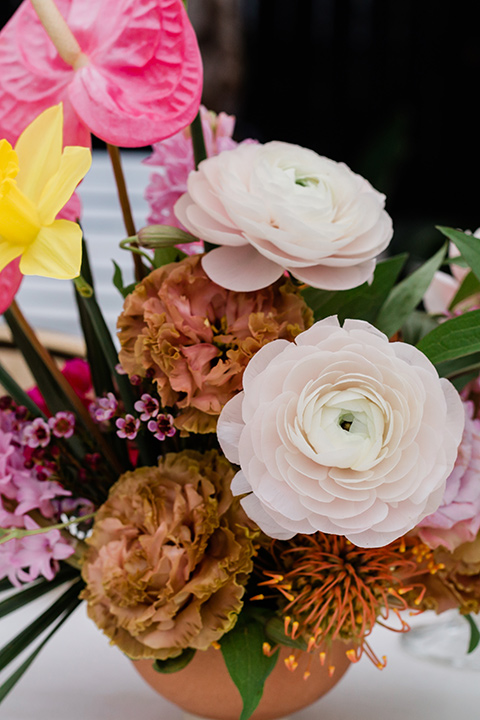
242, 650
416, 326
10, 683
468, 245
469, 286
18, 394
117, 280
36, 589
454, 338
474, 634
361, 302
405, 296
175, 664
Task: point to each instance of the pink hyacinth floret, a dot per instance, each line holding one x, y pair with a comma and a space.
175, 157
457, 520
138, 79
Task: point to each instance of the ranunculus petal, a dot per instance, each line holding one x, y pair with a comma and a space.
242, 268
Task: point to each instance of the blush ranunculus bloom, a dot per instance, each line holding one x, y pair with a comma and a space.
139, 79
457, 520
341, 432
278, 207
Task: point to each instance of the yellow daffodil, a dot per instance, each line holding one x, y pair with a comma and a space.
36, 181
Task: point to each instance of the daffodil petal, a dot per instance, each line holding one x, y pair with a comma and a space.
56, 252
19, 221
8, 161
7, 254
39, 150
74, 164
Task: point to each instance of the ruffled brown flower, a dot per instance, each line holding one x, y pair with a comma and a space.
169, 556
194, 338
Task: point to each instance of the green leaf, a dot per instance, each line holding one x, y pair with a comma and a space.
166, 255
21, 641
173, 665
474, 634
248, 666
405, 296
36, 589
468, 245
118, 281
19, 395
470, 286
455, 338
416, 326
10, 683
361, 302
274, 630
5, 585
458, 366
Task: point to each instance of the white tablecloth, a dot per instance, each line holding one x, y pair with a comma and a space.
79, 676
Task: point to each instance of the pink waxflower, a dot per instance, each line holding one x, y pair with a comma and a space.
148, 406
127, 427
175, 157
36, 434
129, 72
162, 426
63, 424
457, 520
103, 409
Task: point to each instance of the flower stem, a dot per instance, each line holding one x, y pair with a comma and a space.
198, 140
59, 33
116, 161
17, 533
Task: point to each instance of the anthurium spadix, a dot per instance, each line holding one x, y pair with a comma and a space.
129, 72
37, 178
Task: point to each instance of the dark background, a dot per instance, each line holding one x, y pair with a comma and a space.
388, 86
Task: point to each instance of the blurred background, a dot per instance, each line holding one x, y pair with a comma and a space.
387, 86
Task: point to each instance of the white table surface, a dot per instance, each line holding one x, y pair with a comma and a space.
79, 676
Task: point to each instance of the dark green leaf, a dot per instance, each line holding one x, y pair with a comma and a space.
470, 286
36, 589
416, 326
118, 281
474, 634
454, 338
362, 302
19, 395
21, 641
247, 665
173, 665
198, 140
405, 296
10, 683
5, 585
274, 630
468, 245
458, 366
166, 255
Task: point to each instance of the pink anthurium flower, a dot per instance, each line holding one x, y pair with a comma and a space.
129, 71
10, 279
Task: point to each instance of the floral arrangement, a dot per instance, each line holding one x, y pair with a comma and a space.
285, 443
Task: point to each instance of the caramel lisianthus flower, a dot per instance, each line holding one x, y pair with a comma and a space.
169, 556
195, 338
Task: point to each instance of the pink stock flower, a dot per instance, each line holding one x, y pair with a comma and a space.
278, 207
175, 157
135, 79
341, 432
457, 520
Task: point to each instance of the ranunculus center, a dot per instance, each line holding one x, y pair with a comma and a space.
345, 428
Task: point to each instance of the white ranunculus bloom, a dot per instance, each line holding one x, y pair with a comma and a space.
278, 207
341, 432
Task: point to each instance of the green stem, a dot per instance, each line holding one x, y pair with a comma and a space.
18, 533
198, 140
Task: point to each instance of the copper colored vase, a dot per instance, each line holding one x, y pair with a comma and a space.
204, 687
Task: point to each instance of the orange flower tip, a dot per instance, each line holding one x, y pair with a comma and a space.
258, 597
352, 655
295, 627
291, 663
322, 657
306, 674
311, 644
216, 645
331, 670
266, 648
286, 624
383, 663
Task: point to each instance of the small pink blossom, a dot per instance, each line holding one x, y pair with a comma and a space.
39, 554
127, 427
103, 409
63, 424
36, 434
162, 426
148, 406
